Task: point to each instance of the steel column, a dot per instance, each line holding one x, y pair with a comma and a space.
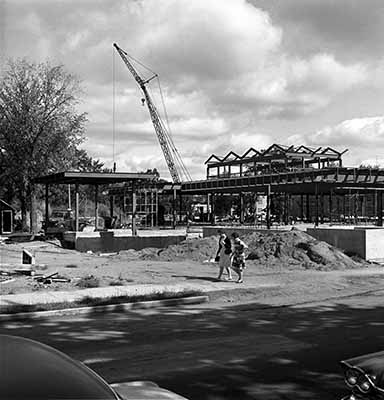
316, 204
286, 208
302, 208
322, 208
213, 209
268, 216
46, 208
174, 209
96, 206
379, 210
241, 208
134, 227
76, 207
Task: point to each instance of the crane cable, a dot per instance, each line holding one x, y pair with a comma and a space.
174, 148
141, 64
113, 106
167, 130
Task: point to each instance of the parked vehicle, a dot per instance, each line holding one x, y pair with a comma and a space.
61, 221
364, 377
33, 370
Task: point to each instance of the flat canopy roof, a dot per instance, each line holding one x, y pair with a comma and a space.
93, 178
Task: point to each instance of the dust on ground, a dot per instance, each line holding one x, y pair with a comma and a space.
279, 265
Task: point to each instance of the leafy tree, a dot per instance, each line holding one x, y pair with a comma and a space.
39, 126
82, 162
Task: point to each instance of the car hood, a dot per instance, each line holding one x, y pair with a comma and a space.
33, 370
371, 364
143, 390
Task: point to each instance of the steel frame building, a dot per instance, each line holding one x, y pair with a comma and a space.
312, 174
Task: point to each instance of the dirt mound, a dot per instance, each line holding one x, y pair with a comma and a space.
287, 250
195, 250
296, 248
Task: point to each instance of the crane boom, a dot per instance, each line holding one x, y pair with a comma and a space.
165, 140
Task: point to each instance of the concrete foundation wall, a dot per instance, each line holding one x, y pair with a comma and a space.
108, 242
367, 243
349, 240
374, 244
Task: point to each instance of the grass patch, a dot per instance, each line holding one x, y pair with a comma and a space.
88, 282
116, 283
98, 301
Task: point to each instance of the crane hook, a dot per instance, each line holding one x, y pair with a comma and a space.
142, 101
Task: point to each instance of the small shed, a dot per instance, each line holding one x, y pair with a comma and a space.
7, 216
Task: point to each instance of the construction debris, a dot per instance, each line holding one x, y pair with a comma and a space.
5, 270
27, 257
47, 279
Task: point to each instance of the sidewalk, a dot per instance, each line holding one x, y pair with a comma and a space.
52, 297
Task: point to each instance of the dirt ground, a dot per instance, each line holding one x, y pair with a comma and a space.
284, 264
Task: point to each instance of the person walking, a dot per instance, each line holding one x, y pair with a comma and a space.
224, 255
238, 256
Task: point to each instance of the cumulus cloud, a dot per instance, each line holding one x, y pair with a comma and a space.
350, 28
364, 136
220, 62
360, 132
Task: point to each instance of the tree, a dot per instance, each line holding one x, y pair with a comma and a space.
82, 162
39, 126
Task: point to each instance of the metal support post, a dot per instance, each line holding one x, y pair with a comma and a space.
379, 210
301, 208
96, 206
241, 208
157, 208
69, 198
268, 214
316, 205
344, 207
286, 218
180, 207
46, 208
77, 207
208, 207
111, 204
174, 209
355, 209
213, 209
330, 206
134, 227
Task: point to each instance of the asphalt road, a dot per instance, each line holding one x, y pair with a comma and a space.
219, 351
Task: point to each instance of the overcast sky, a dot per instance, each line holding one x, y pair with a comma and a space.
235, 74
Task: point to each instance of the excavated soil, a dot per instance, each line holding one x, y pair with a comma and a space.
287, 250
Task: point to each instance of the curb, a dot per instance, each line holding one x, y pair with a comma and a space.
140, 305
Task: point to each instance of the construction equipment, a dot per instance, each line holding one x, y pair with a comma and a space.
173, 159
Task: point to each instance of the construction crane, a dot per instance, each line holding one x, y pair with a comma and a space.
173, 159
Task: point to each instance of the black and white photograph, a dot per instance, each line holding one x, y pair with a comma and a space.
191, 199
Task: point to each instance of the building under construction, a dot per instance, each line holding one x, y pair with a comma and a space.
299, 183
